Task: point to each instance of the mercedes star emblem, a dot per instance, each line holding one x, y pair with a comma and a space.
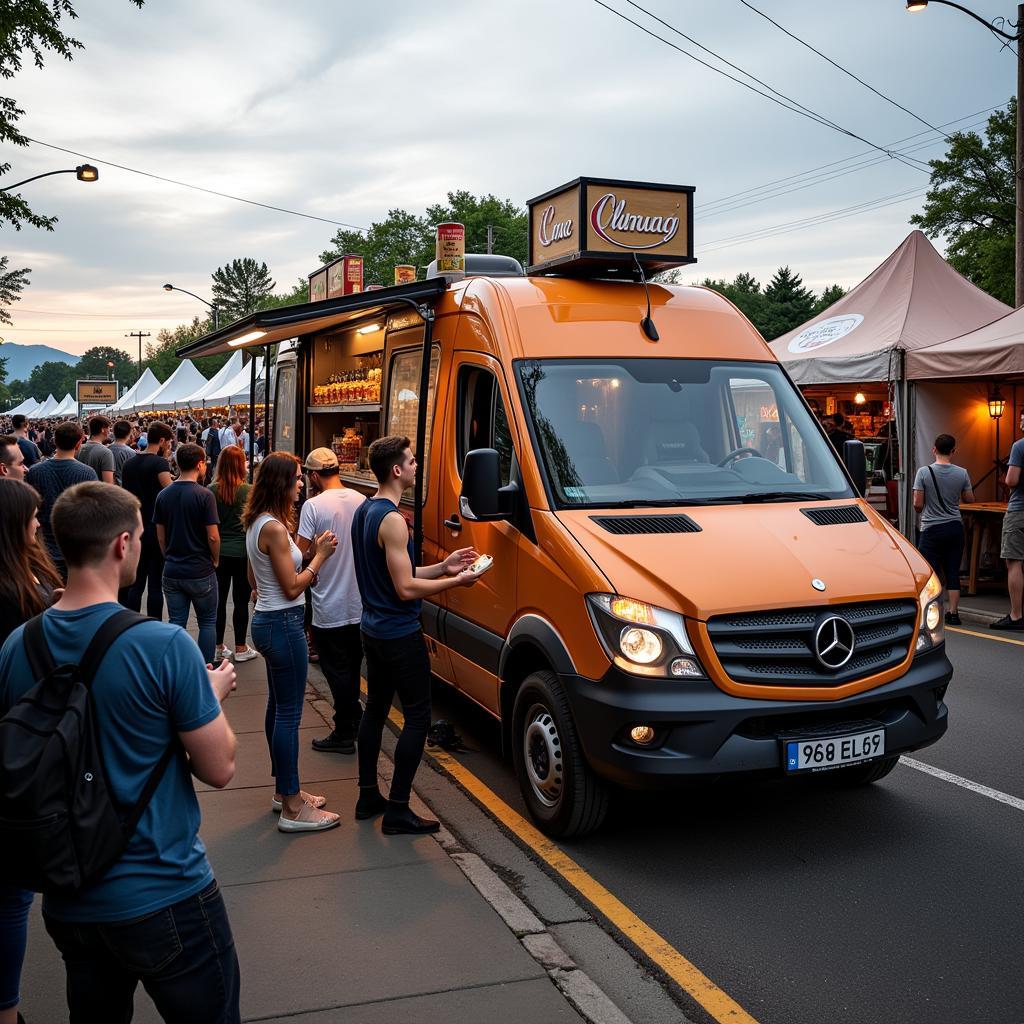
818, 584
834, 642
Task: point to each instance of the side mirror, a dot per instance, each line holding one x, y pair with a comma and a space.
483, 499
856, 465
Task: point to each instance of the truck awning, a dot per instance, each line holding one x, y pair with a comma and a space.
269, 326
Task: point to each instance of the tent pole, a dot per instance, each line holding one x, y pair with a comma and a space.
266, 400
252, 410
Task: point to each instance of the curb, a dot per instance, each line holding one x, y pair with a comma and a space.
582, 992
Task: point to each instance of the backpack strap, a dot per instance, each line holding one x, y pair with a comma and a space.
940, 497
37, 650
104, 638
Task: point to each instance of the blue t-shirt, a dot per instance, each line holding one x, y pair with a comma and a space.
51, 479
385, 615
151, 685
185, 509
1016, 503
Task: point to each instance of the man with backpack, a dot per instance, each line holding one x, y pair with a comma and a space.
129, 895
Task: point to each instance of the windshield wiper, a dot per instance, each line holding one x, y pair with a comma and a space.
672, 502
760, 496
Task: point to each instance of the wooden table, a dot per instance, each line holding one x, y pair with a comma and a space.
979, 517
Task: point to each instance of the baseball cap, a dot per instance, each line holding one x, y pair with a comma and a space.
321, 458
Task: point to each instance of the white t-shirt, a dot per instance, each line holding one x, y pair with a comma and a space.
336, 595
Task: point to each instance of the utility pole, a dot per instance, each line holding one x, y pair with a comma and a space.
140, 335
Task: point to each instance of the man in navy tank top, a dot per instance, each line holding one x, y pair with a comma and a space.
392, 588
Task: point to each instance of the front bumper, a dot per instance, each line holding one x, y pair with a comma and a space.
703, 731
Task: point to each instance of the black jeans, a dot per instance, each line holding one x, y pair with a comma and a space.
943, 546
341, 658
398, 665
184, 955
149, 573
232, 574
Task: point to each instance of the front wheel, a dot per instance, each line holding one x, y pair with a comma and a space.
563, 794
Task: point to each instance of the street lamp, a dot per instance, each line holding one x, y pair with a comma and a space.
213, 308
83, 172
915, 6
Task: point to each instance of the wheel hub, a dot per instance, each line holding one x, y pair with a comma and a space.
542, 748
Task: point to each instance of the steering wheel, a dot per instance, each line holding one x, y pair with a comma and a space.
736, 453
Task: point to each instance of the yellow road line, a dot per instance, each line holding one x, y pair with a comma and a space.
688, 977
985, 636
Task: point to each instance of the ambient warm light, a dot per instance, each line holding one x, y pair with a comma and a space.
246, 338
642, 735
632, 611
916, 5
368, 329
859, 398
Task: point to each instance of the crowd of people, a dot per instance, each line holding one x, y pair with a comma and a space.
109, 521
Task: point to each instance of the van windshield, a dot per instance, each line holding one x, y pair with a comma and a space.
636, 432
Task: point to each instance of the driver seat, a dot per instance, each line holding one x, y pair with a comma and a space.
671, 440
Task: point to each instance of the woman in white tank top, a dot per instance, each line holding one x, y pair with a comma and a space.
278, 630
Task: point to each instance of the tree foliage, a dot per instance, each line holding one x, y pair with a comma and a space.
239, 287
831, 295
52, 378
12, 282
29, 29
787, 303
971, 201
161, 356
93, 364
509, 223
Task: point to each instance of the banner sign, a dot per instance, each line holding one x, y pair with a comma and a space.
96, 392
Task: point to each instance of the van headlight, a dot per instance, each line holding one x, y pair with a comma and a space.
932, 631
643, 639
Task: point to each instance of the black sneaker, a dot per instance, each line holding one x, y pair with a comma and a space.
1007, 623
335, 743
953, 619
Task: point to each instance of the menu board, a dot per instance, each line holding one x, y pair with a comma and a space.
403, 397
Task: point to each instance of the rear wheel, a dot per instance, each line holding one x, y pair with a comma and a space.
563, 794
861, 774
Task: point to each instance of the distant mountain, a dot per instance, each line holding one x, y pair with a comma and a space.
23, 359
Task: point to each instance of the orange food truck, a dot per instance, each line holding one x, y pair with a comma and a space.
687, 581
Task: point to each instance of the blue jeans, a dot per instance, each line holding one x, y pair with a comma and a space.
14, 907
184, 955
280, 636
201, 595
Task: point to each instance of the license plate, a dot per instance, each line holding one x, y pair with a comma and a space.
817, 754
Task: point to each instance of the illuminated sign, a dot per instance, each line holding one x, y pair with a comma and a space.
96, 392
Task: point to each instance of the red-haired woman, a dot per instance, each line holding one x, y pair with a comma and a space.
278, 629
29, 584
231, 491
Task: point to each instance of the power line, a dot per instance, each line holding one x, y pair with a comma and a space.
105, 316
779, 98
197, 188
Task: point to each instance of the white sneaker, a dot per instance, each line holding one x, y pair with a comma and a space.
247, 655
222, 653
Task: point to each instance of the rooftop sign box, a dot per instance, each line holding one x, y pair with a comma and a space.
595, 227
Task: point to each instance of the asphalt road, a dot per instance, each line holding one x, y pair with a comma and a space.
902, 901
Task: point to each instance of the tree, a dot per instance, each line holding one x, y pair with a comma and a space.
299, 293
787, 304
401, 237
32, 27
509, 223
972, 202
93, 364
52, 378
832, 294
746, 294
239, 287
18, 391
11, 284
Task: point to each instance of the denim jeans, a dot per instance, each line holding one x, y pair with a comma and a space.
280, 636
147, 577
14, 907
392, 666
184, 955
201, 595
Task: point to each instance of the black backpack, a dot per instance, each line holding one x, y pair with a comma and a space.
60, 828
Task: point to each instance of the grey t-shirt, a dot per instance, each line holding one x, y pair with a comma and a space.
942, 506
1017, 494
120, 453
96, 455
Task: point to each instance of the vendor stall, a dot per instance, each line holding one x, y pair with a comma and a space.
185, 381
215, 385
47, 409
851, 358
67, 407
26, 408
146, 385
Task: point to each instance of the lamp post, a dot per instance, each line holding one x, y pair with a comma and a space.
996, 408
213, 308
110, 370
1018, 38
83, 172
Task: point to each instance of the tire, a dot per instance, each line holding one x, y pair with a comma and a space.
861, 774
564, 796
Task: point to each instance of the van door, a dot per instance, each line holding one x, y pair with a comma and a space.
478, 618
285, 395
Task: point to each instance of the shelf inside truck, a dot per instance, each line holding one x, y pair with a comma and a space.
352, 407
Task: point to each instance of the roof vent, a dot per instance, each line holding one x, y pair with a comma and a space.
837, 515
482, 264
646, 524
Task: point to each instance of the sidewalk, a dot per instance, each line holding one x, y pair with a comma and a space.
981, 609
347, 925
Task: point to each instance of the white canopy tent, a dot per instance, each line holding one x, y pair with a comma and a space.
174, 391
146, 385
48, 408
68, 407
214, 385
26, 408
236, 390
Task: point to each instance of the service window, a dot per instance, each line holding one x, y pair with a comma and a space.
403, 400
482, 421
284, 409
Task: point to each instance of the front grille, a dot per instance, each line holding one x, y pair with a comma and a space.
646, 524
835, 515
776, 648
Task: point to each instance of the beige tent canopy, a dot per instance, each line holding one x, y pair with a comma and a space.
995, 350
913, 300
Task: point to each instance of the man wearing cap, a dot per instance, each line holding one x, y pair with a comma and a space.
337, 609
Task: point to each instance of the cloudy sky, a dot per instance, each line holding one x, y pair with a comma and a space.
344, 110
